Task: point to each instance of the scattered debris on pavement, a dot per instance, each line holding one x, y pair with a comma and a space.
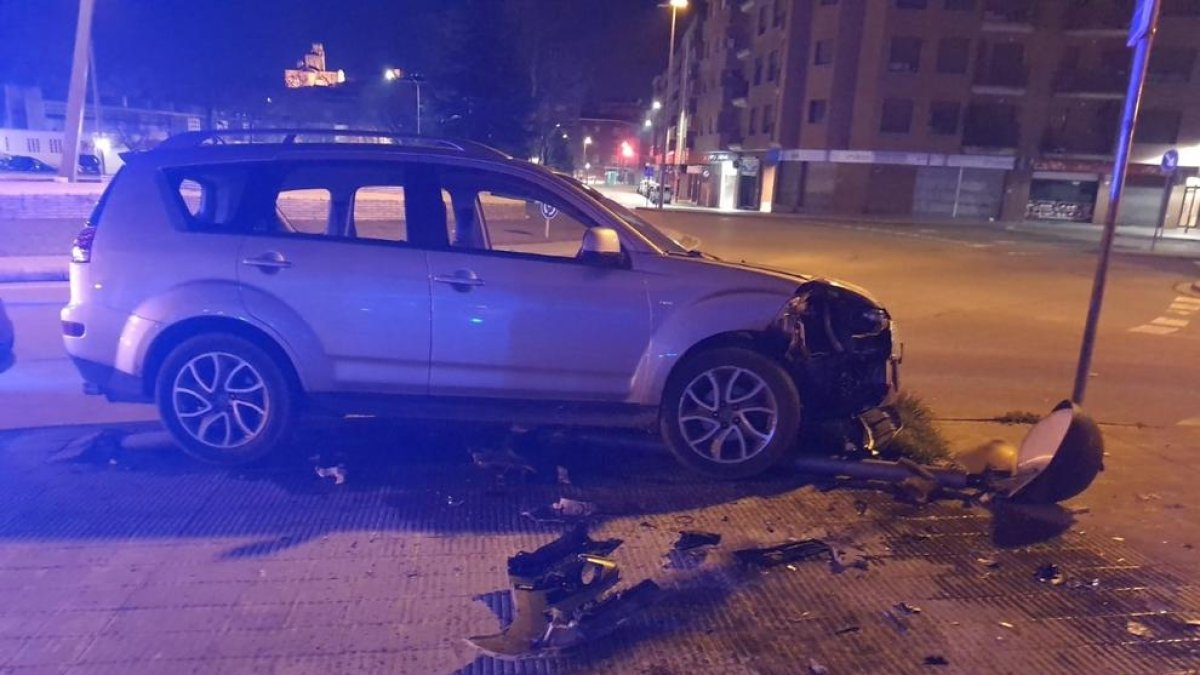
988, 562
815, 667
1138, 628
564, 478
846, 630
841, 558
907, 608
503, 460
690, 539
557, 597
899, 624
936, 660
562, 511
1050, 573
337, 472
1006, 624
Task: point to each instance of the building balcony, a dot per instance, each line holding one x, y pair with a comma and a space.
991, 126
1087, 144
1099, 84
1001, 79
1097, 20
1016, 16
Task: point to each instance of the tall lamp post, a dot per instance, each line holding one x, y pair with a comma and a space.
76, 92
587, 140
675, 6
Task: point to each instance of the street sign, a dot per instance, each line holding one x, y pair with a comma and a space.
1170, 160
548, 211
1143, 17
648, 172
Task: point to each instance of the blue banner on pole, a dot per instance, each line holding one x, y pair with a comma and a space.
1143, 17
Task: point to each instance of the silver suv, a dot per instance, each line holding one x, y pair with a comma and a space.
241, 286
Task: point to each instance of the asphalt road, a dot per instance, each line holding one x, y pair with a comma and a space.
991, 322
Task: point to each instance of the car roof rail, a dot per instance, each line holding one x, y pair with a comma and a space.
291, 136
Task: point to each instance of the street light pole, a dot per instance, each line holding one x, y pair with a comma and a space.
676, 5
76, 93
1142, 32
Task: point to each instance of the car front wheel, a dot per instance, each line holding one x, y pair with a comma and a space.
730, 413
224, 399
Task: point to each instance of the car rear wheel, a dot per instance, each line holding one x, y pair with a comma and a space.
730, 413
224, 399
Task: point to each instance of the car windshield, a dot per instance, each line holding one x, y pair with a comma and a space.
633, 220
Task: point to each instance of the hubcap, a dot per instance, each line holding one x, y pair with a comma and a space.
728, 415
220, 400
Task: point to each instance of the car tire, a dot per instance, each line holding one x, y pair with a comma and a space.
730, 413
224, 399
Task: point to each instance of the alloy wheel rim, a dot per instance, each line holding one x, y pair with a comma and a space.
221, 400
728, 415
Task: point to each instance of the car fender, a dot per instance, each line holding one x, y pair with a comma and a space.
683, 327
218, 299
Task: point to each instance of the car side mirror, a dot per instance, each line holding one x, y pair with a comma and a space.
601, 244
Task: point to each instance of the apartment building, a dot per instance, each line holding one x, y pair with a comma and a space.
947, 108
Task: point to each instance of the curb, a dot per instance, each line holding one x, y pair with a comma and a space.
33, 268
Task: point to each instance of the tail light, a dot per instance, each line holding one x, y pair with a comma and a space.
81, 249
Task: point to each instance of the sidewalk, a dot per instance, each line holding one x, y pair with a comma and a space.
34, 268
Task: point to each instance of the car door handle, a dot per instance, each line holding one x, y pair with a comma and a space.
268, 262
462, 279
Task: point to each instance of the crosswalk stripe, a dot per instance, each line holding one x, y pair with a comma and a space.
1153, 330
1188, 300
1164, 321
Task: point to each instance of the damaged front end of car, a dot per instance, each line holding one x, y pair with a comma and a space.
844, 353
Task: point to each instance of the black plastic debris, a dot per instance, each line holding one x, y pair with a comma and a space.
841, 558
1051, 574
690, 539
899, 624
558, 602
846, 630
905, 608
936, 660
782, 554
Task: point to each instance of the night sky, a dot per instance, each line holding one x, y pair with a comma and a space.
203, 51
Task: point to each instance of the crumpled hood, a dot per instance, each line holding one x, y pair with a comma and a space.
794, 279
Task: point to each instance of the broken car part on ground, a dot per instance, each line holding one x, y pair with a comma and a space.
556, 592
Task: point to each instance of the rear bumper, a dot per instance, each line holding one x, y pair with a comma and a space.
113, 384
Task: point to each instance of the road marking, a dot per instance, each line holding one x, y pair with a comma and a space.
1190, 422
1182, 306
1152, 330
1164, 321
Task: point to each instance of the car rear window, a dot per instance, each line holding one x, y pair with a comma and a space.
210, 197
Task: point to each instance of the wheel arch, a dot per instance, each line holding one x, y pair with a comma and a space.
186, 329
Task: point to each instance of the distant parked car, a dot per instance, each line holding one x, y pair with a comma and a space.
240, 286
27, 165
89, 164
6, 339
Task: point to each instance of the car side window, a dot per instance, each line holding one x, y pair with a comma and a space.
305, 211
209, 198
379, 213
497, 212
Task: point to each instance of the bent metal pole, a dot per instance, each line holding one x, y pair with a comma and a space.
1145, 24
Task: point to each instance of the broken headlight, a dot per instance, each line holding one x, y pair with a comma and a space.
872, 321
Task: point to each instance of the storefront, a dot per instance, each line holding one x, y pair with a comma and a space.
1062, 195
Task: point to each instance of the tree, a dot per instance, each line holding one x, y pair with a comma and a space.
478, 80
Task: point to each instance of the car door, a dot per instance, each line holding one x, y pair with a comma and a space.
515, 313
329, 266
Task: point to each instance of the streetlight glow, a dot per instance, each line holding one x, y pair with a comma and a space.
626, 149
101, 144
587, 140
656, 105
647, 124
679, 4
